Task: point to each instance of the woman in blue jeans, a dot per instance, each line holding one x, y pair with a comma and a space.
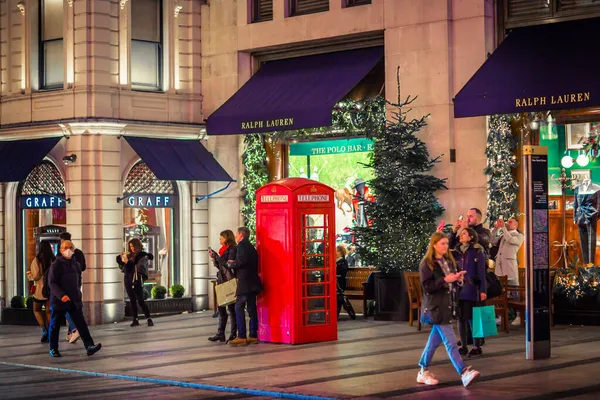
440, 281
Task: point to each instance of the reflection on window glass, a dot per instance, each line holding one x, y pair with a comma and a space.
315, 276
315, 290
313, 234
315, 247
314, 220
315, 304
316, 318
315, 262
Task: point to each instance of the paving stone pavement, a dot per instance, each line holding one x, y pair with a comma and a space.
371, 359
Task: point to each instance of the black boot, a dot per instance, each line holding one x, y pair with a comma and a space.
135, 323
219, 337
93, 349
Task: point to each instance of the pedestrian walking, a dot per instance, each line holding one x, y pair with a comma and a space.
134, 265
38, 273
249, 285
440, 280
72, 333
470, 257
341, 270
65, 296
227, 252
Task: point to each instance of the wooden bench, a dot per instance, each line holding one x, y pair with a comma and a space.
355, 290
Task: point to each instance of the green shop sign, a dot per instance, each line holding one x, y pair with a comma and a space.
325, 147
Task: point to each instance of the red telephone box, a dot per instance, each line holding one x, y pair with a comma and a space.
295, 234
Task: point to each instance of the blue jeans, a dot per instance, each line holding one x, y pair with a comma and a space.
442, 334
248, 300
70, 321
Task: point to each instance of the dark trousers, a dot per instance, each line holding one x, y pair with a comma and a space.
248, 300
223, 319
57, 317
136, 295
465, 323
587, 235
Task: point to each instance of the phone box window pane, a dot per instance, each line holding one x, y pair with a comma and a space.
53, 19
144, 65
54, 72
145, 20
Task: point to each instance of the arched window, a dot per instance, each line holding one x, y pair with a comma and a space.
150, 210
42, 216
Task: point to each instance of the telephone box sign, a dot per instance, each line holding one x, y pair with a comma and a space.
274, 198
313, 198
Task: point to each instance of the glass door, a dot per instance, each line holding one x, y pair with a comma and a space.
315, 270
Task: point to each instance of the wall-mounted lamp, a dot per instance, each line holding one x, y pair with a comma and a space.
68, 160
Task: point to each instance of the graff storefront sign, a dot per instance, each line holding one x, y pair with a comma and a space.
150, 201
42, 201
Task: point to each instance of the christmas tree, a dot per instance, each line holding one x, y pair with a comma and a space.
501, 161
403, 217
254, 160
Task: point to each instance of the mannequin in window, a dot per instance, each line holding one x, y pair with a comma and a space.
585, 214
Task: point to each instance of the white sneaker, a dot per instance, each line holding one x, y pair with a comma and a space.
469, 376
516, 322
427, 378
74, 336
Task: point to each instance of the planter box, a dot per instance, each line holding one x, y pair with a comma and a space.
584, 311
19, 316
391, 297
163, 306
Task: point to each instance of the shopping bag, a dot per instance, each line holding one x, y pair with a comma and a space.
484, 322
226, 292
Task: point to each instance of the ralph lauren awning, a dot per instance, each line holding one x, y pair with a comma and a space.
19, 157
296, 93
545, 67
183, 160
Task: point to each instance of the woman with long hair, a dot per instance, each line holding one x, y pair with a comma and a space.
38, 273
134, 265
470, 257
440, 281
228, 251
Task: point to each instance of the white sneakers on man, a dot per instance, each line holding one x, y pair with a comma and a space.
427, 378
517, 321
468, 376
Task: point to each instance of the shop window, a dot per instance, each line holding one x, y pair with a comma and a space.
51, 57
352, 3
302, 7
262, 10
150, 211
146, 45
42, 216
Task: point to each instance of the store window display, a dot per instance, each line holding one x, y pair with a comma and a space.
585, 213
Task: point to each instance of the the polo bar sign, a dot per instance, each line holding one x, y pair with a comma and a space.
568, 98
42, 201
150, 201
274, 198
313, 198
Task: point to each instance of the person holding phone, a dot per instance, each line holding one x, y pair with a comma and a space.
65, 296
440, 282
227, 252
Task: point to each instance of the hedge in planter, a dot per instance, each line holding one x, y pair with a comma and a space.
403, 217
177, 291
17, 302
159, 292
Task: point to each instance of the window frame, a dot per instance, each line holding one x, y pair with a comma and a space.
41, 51
161, 58
255, 7
293, 4
357, 3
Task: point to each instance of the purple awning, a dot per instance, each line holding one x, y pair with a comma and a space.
19, 157
545, 67
181, 160
295, 93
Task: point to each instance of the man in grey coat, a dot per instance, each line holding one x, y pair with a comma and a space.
510, 240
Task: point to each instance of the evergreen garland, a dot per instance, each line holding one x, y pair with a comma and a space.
256, 175
404, 213
502, 188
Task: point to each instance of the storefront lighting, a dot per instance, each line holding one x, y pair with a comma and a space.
68, 160
583, 160
567, 161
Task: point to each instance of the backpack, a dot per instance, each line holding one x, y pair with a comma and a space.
493, 284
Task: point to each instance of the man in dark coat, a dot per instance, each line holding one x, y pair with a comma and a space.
474, 218
65, 296
249, 285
